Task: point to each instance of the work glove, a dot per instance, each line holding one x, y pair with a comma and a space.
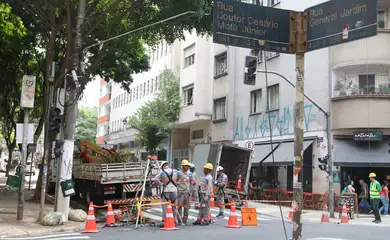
216, 182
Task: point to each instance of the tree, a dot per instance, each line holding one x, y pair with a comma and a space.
154, 120
117, 60
86, 124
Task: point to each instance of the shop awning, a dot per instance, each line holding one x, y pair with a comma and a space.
349, 153
283, 153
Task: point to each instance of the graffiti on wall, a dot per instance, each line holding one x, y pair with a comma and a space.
282, 123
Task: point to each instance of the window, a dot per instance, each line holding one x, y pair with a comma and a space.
189, 55
136, 95
147, 91
113, 103
220, 64
157, 52
130, 95
273, 2
140, 91
273, 97
151, 85
188, 95
367, 83
197, 134
155, 84
144, 89
158, 82
381, 19
256, 101
166, 49
152, 56
220, 109
122, 99
162, 49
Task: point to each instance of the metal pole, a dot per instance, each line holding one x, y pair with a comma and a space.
298, 147
142, 193
19, 214
329, 141
330, 166
31, 166
47, 145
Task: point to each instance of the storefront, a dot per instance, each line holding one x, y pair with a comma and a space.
356, 156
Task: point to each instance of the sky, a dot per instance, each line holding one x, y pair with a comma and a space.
91, 94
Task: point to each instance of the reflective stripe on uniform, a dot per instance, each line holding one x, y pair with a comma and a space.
374, 193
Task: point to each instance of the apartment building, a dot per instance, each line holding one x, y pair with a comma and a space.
144, 88
104, 111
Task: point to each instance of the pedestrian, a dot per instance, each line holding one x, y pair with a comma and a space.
183, 189
205, 192
221, 184
168, 179
194, 186
385, 199
349, 188
364, 206
375, 189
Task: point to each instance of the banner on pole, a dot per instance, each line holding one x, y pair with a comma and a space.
28, 92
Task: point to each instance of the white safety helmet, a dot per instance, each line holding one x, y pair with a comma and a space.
163, 163
192, 165
219, 168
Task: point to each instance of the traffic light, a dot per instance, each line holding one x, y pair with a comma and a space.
58, 148
55, 122
251, 68
324, 163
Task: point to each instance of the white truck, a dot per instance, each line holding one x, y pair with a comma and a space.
235, 161
98, 182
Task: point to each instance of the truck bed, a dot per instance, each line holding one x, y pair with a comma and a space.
110, 173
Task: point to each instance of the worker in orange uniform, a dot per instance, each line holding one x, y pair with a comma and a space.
205, 193
183, 189
194, 186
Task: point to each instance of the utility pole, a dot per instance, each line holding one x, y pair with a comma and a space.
300, 39
71, 113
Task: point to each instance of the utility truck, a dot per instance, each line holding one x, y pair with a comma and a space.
235, 161
97, 177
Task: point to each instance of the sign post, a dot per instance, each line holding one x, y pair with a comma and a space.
26, 102
277, 30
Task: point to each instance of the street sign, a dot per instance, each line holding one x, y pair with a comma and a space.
340, 21
31, 148
252, 26
28, 92
250, 145
19, 133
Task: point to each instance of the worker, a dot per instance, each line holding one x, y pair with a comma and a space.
194, 185
221, 184
168, 179
375, 190
183, 189
205, 192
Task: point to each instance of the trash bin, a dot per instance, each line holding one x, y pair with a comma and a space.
13, 181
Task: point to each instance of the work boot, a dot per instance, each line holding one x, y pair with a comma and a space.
197, 222
377, 221
220, 215
205, 223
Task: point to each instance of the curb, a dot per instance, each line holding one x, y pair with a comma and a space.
47, 230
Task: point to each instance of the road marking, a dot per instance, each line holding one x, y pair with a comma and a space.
61, 236
322, 238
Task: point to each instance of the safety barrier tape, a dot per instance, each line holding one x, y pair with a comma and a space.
270, 201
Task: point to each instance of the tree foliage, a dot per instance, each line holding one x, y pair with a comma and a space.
154, 120
86, 124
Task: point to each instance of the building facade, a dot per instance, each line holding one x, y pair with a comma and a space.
104, 112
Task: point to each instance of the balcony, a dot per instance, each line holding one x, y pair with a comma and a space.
372, 50
105, 99
103, 119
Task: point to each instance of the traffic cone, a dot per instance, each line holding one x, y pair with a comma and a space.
325, 216
110, 218
169, 223
90, 224
290, 215
233, 221
212, 201
344, 215
239, 183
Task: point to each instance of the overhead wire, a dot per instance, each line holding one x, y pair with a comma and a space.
272, 147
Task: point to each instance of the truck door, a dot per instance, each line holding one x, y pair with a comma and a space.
205, 153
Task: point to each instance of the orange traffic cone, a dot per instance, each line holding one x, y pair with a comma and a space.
344, 215
239, 183
212, 201
325, 216
90, 224
233, 221
290, 215
110, 218
169, 223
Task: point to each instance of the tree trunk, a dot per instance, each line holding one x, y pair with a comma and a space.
9, 163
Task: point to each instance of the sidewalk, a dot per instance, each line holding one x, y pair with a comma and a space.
315, 216
10, 227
